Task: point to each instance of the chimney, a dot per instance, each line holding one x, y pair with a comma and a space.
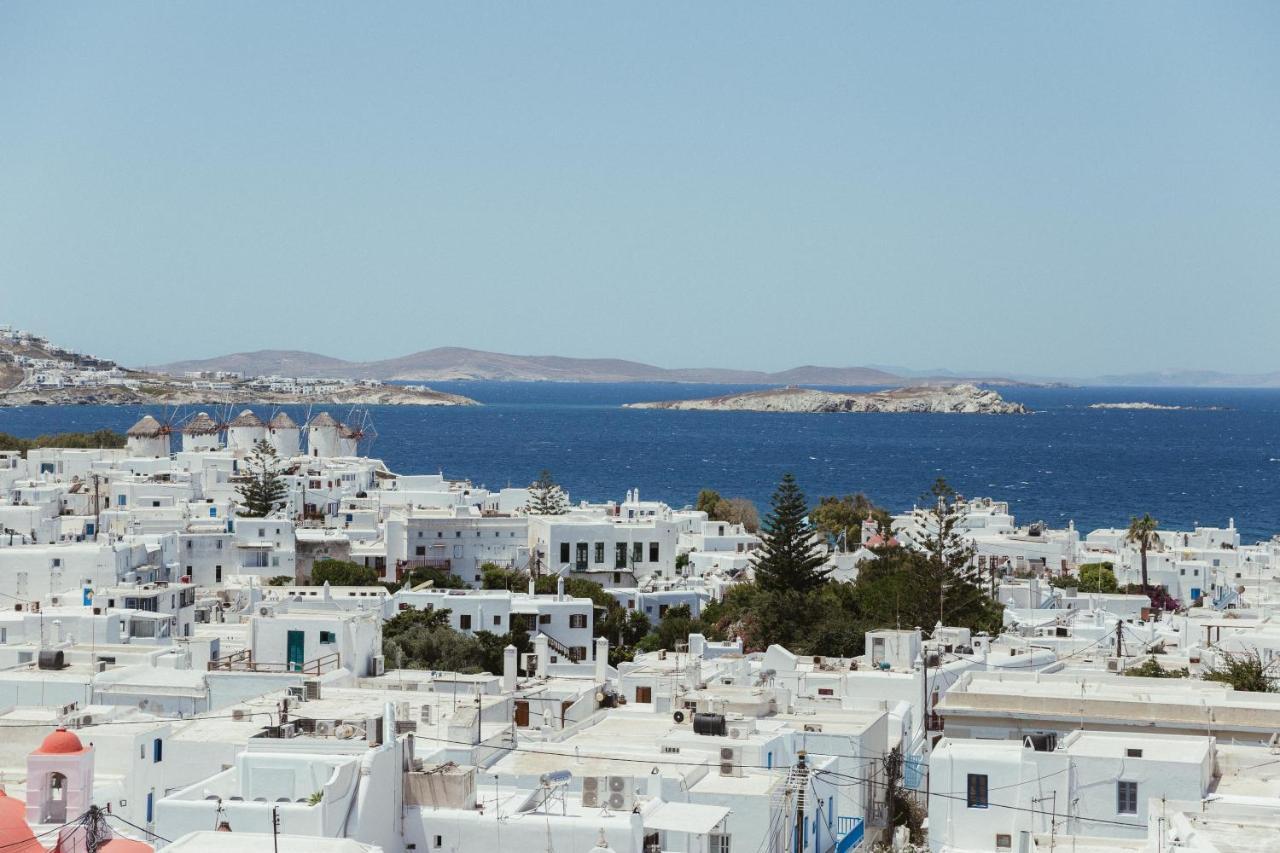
697, 645
533, 588
543, 653
602, 659
509, 669
560, 588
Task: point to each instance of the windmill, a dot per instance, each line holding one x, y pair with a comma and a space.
359, 427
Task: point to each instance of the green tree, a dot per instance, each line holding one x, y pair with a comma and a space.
789, 558
343, 573
731, 510
950, 554
494, 576
546, 497
280, 580
103, 438
1091, 577
708, 500
1243, 671
263, 490
423, 639
1151, 668
841, 518
440, 578
1142, 532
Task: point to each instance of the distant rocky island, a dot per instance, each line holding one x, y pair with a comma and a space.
34, 372
1154, 407
962, 399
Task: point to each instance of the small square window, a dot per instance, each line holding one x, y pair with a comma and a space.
1004, 841
1133, 753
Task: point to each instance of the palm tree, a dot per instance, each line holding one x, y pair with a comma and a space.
1142, 532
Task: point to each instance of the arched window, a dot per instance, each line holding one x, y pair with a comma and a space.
57, 786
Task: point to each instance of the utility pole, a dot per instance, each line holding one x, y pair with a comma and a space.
275, 828
800, 774
1120, 638
97, 509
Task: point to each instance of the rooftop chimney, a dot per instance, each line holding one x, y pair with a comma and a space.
602, 659
509, 669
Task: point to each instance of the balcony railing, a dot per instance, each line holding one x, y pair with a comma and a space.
243, 661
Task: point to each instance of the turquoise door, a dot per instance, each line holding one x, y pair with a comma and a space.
296, 645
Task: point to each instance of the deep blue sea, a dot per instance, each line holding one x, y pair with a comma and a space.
1067, 461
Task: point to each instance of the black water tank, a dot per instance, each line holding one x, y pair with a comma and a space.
51, 659
709, 724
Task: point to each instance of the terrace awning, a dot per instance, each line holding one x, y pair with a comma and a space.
685, 817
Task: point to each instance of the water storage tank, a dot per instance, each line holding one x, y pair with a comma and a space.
51, 659
709, 724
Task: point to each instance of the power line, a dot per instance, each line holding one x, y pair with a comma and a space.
1040, 812
114, 816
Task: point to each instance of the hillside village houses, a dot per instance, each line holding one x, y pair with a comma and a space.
154, 677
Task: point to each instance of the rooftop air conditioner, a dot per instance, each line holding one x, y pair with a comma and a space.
730, 761
324, 728
591, 792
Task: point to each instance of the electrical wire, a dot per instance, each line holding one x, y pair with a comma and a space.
113, 816
949, 796
59, 828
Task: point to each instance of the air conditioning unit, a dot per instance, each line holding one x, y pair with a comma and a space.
621, 794
288, 730
730, 761
1113, 664
379, 666
239, 714
591, 792
312, 687
324, 728
297, 693
662, 654
264, 611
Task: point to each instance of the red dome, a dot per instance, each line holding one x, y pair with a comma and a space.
60, 742
15, 834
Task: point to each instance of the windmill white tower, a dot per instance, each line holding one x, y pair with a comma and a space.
284, 435
148, 438
244, 431
323, 436
201, 433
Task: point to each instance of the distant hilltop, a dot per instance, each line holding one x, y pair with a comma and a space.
34, 372
456, 363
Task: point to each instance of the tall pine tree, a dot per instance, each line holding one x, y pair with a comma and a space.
790, 558
546, 497
264, 490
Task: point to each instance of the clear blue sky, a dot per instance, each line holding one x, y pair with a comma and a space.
1060, 189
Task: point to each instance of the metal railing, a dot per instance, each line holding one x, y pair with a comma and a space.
243, 661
